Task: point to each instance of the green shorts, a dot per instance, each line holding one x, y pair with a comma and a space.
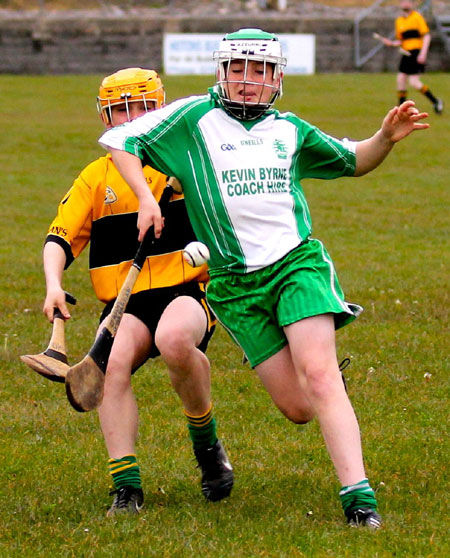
254, 307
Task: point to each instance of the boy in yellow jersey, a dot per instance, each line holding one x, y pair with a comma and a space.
167, 313
412, 34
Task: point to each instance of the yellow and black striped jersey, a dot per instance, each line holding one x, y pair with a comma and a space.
410, 30
100, 208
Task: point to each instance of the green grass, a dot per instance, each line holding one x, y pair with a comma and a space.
388, 234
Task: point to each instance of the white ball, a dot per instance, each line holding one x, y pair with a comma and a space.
196, 254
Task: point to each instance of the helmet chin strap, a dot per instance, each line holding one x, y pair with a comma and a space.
247, 110
244, 111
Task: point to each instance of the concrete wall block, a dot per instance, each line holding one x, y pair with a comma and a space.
60, 44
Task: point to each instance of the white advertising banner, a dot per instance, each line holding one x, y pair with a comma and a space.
191, 53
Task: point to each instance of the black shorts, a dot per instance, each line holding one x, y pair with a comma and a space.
409, 64
149, 306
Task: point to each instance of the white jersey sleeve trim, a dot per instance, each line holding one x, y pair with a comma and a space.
350, 145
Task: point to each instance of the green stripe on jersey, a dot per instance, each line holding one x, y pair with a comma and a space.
220, 234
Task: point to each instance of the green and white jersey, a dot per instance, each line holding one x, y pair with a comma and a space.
241, 180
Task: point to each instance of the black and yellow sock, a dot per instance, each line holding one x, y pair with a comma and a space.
125, 472
402, 96
425, 90
359, 495
202, 429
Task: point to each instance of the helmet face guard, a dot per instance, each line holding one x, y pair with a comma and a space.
249, 45
127, 86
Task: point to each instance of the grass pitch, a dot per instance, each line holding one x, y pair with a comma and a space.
389, 237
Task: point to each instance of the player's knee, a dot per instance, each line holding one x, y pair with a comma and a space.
174, 344
118, 374
322, 382
415, 82
116, 384
297, 415
296, 412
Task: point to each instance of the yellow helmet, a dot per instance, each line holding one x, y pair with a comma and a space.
128, 86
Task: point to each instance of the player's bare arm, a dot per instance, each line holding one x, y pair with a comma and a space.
54, 262
130, 167
391, 43
397, 125
422, 56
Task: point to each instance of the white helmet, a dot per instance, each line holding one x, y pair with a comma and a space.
248, 44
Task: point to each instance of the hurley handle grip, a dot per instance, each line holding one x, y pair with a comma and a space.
70, 299
149, 239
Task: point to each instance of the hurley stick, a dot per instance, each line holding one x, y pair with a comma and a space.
380, 38
52, 363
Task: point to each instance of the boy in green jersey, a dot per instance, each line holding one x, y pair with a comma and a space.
272, 286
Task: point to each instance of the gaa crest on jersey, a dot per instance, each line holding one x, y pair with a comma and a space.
110, 196
280, 149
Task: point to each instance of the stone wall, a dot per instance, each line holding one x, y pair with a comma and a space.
65, 43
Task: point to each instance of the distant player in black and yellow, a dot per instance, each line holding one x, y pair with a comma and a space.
413, 35
167, 313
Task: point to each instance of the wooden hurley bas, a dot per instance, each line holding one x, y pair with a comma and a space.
52, 363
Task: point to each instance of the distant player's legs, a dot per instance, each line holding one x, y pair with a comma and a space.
402, 91
417, 83
410, 70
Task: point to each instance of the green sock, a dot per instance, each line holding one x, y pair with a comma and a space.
202, 429
359, 495
125, 472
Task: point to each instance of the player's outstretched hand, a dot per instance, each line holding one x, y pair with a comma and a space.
402, 120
